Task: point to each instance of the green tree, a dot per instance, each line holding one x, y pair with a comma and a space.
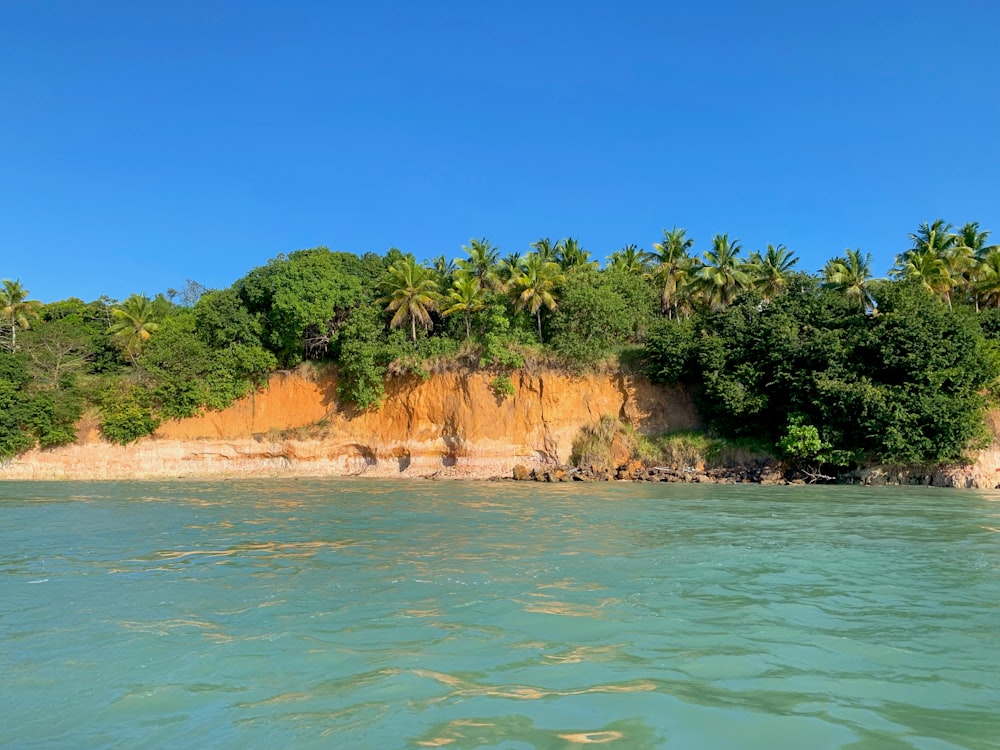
444, 271
57, 352
803, 445
481, 263
933, 260
849, 275
411, 294
508, 269
535, 286
929, 268
222, 320
986, 286
16, 310
187, 375
971, 250
630, 259
572, 258
598, 313
302, 299
933, 366
466, 296
722, 276
547, 250
673, 270
135, 321
770, 272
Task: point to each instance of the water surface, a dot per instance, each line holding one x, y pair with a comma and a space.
361, 614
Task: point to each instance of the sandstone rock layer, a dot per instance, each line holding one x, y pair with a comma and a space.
450, 425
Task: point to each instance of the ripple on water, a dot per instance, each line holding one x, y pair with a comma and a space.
460, 615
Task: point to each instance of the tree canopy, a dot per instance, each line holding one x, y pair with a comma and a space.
836, 366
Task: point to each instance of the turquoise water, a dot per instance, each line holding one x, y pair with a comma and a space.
348, 614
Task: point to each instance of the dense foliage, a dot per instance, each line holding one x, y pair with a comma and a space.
907, 384
829, 368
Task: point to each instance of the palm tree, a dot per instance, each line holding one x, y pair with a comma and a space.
672, 268
986, 287
932, 260
481, 263
849, 274
572, 257
967, 258
631, 260
535, 286
722, 276
444, 270
936, 236
16, 309
969, 236
547, 250
508, 269
928, 267
466, 296
411, 294
136, 320
771, 270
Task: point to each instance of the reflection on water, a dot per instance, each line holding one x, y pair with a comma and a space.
493, 731
381, 614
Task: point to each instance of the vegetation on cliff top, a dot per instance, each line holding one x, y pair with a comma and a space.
830, 368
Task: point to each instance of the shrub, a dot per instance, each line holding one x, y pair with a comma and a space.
126, 414
502, 387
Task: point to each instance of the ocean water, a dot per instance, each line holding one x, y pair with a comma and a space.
363, 614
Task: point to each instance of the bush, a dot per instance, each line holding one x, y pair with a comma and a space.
126, 414
608, 443
502, 387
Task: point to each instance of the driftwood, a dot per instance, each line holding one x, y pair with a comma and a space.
815, 476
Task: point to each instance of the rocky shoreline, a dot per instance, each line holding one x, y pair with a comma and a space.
765, 472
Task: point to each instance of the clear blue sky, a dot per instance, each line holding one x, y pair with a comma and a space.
145, 143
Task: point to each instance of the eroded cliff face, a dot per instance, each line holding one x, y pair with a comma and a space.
449, 425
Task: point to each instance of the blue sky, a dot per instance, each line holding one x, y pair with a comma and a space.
142, 144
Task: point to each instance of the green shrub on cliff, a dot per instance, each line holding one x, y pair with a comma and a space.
906, 384
127, 413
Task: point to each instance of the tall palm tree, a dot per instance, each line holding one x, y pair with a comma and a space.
135, 322
936, 236
850, 274
723, 275
444, 270
927, 266
631, 260
969, 236
572, 257
672, 267
481, 263
16, 309
508, 269
769, 272
967, 258
986, 287
547, 250
466, 296
411, 295
535, 286
932, 259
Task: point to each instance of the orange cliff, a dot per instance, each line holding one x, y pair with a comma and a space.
450, 425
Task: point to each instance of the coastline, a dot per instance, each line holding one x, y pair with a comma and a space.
449, 426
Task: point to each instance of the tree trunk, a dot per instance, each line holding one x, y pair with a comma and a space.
538, 315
